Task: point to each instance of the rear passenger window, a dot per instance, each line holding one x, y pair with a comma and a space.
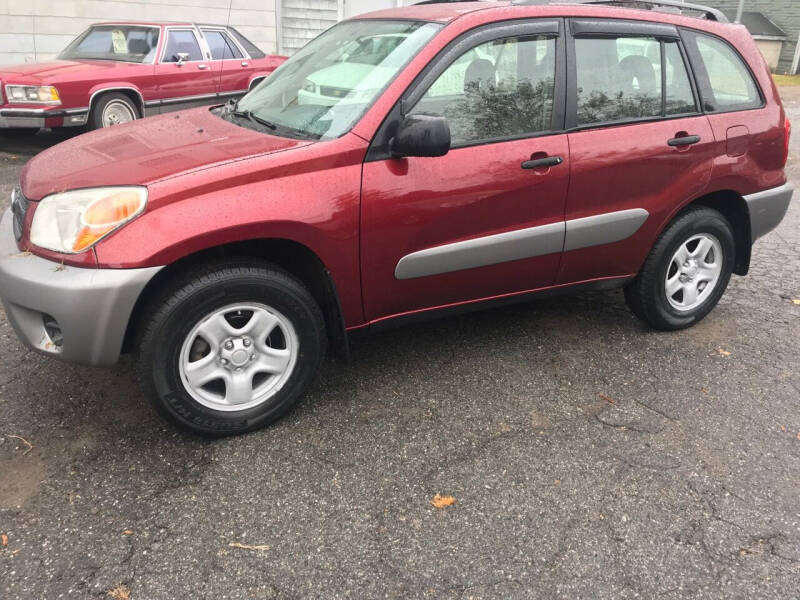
731, 85
500, 89
620, 79
221, 47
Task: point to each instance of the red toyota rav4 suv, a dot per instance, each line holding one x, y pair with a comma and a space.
408, 161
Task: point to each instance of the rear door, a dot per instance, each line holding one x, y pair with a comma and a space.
640, 146
482, 221
229, 60
193, 81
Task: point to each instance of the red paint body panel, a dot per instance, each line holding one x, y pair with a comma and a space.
631, 166
212, 183
417, 203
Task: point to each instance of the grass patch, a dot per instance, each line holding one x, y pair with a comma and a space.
786, 80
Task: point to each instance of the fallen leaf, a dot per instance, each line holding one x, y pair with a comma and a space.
557, 482
608, 399
723, 352
3, 540
443, 501
247, 546
798, 435
120, 593
128, 532
796, 301
783, 428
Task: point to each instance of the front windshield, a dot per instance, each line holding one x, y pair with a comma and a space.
127, 43
324, 89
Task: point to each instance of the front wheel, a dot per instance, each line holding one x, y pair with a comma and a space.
231, 349
112, 109
686, 272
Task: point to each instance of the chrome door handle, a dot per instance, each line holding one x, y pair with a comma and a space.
201, 67
245, 63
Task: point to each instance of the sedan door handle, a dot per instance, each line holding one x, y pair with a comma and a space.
201, 67
549, 161
686, 140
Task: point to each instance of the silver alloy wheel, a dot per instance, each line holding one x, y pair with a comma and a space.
117, 112
238, 357
693, 272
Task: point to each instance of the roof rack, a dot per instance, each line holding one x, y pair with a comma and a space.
712, 14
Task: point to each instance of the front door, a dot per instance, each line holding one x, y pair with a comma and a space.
486, 219
639, 144
189, 80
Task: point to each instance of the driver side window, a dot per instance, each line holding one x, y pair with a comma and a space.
499, 89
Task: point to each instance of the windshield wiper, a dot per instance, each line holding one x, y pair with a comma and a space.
248, 114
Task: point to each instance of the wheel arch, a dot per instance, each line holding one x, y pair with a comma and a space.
130, 91
292, 256
734, 208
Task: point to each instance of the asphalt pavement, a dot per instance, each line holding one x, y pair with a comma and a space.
588, 456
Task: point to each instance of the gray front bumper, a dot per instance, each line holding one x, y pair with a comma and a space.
767, 209
92, 306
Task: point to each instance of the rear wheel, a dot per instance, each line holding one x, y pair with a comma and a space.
686, 272
232, 349
112, 109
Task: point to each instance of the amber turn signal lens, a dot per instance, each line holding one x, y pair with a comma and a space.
103, 216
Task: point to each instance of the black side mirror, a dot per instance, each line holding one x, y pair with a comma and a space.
421, 135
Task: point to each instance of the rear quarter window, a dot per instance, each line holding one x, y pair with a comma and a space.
726, 83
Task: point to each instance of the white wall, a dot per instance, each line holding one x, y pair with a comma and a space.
32, 30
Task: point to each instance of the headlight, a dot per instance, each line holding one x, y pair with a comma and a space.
28, 94
72, 222
310, 86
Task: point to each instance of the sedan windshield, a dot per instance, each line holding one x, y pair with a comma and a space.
322, 91
127, 43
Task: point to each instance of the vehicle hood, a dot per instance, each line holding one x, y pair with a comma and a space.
52, 72
350, 75
146, 151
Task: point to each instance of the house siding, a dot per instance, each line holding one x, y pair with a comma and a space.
784, 13
33, 30
303, 20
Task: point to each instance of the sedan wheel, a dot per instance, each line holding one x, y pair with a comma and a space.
116, 113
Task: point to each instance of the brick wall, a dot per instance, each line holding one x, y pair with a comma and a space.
33, 30
784, 13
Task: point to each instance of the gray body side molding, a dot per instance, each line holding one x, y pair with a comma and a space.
767, 209
479, 252
522, 243
603, 229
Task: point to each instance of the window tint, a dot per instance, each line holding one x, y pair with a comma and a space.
221, 47
732, 86
179, 41
503, 88
618, 78
680, 99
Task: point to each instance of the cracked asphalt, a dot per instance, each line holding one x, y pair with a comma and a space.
589, 457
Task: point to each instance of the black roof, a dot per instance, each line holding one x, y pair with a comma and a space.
758, 24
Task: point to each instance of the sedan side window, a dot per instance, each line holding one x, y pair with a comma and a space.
499, 89
182, 41
221, 47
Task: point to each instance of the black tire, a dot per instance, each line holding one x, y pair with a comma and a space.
203, 291
646, 295
95, 120
15, 133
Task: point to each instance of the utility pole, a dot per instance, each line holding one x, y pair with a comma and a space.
739, 12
